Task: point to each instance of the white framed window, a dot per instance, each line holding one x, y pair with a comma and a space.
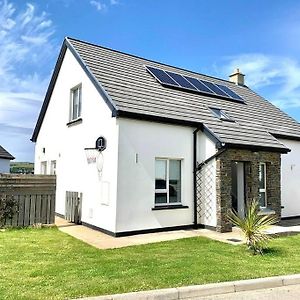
44, 167
262, 185
167, 181
75, 103
53, 167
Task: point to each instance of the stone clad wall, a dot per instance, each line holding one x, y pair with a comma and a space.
251, 160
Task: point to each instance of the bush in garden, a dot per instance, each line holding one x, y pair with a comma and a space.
8, 207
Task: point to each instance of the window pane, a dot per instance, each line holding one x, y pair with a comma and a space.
174, 181
224, 116
262, 174
160, 174
53, 167
262, 199
76, 103
160, 198
43, 167
79, 102
217, 112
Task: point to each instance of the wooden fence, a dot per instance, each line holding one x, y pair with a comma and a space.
73, 207
35, 195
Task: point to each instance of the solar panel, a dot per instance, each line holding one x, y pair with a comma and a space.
214, 88
181, 80
178, 81
162, 76
199, 85
230, 92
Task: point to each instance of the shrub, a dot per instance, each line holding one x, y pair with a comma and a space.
8, 207
253, 226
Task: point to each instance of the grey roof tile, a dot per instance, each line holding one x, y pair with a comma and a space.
132, 89
5, 154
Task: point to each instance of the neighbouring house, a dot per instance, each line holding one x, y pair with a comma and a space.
5, 158
179, 148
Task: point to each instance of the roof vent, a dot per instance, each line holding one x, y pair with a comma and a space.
237, 77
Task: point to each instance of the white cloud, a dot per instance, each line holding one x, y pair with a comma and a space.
99, 6
25, 48
27, 16
279, 76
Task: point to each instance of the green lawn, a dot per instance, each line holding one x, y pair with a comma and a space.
48, 264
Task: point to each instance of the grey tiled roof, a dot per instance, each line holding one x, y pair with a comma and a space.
5, 154
130, 88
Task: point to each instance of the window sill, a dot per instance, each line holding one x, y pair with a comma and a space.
163, 207
266, 211
74, 122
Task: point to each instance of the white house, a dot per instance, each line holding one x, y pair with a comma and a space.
180, 148
5, 158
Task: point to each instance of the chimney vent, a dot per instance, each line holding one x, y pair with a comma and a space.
237, 77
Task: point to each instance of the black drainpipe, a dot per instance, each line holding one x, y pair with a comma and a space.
195, 168
195, 174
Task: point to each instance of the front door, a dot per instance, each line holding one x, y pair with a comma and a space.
238, 188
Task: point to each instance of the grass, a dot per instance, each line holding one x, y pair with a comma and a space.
48, 264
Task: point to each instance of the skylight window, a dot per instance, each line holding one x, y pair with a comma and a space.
221, 114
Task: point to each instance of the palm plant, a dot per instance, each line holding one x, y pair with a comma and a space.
253, 226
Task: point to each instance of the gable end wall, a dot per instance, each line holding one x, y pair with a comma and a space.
66, 144
4, 165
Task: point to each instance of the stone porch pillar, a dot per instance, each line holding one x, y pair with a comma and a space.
251, 161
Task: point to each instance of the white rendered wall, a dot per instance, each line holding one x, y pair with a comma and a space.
4, 165
290, 179
205, 149
136, 180
66, 144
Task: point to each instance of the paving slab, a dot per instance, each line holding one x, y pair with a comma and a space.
104, 241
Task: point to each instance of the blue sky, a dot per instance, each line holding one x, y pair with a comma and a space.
211, 37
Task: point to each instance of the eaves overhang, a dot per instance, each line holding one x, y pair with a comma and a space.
255, 148
156, 118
